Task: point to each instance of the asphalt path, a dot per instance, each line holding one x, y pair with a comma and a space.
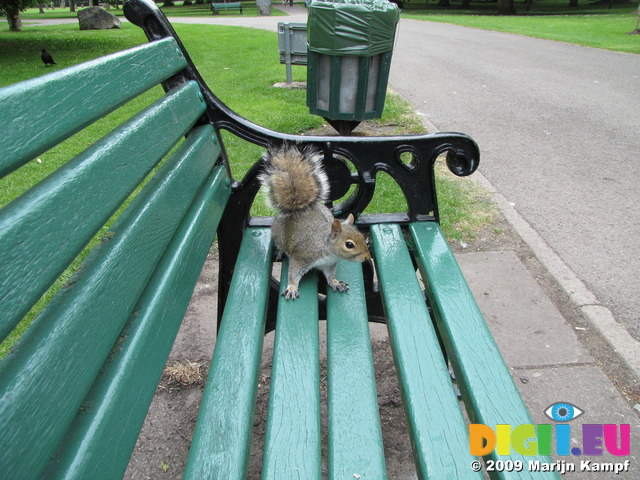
557, 125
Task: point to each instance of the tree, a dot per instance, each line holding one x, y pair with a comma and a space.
506, 7
11, 9
636, 31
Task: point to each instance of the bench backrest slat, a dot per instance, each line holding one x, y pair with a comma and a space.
355, 436
73, 336
491, 397
439, 433
292, 439
100, 440
39, 113
222, 439
42, 231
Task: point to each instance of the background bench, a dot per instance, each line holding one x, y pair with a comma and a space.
75, 390
223, 7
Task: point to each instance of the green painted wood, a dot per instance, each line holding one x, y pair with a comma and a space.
42, 231
383, 81
292, 439
37, 114
438, 430
488, 390
355, 438
222, 438
45, 379
312, 82
100, 440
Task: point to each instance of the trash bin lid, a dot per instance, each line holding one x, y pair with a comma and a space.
352, 27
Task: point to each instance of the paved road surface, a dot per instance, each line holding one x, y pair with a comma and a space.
557, 126
558, 129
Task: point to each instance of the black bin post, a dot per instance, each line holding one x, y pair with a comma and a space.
350, 43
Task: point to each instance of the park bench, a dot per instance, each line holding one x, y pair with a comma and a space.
75, 389
224, 7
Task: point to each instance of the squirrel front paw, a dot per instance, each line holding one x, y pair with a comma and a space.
291, 293
339, 285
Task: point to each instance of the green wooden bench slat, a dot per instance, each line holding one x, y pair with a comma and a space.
42, 231
355, 437
439, 433
489, 393
102, 436
222, 438
74, 334
292, 439
37, 114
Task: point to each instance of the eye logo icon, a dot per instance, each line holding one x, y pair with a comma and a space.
563, 412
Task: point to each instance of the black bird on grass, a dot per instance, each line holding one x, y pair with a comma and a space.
47, 58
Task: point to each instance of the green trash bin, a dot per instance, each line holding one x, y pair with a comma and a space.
349, 56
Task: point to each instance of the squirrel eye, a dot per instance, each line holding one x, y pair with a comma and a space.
349, 244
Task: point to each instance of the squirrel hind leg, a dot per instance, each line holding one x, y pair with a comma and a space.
297, 270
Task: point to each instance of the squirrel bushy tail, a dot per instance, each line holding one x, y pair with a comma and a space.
293, 178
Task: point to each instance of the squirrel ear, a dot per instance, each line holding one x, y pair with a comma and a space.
336, 228
349, 220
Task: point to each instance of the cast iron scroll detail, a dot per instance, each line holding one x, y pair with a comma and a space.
352, 163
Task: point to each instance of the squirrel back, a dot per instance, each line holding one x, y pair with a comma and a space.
294, 179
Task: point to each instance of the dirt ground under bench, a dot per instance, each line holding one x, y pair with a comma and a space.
163, 446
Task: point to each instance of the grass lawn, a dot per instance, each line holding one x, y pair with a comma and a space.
591, 24
240, 65
249, 9
224, 56
600, 31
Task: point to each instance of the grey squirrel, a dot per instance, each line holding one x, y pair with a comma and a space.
304, 228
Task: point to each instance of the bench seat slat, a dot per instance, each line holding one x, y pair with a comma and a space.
355, 436
51, 109
292, 439
102, 436
42, 231
489, 393
73, 336
222, 438
439, 433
